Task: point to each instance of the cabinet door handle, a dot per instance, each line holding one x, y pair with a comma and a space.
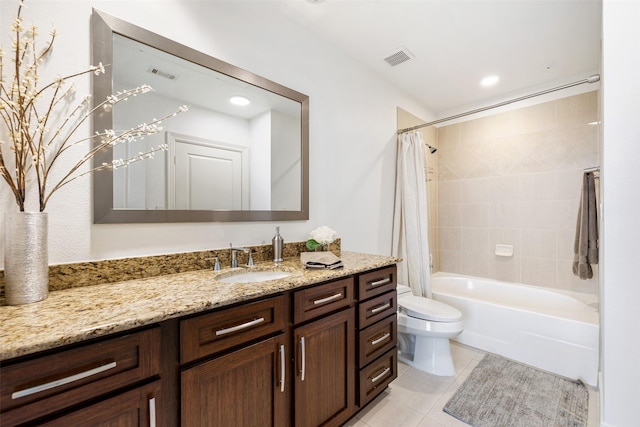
380, 308
282, 367
240, 327
380, 375
152, 412
380, 282
303, 357
327, 299
62, 381
379, 340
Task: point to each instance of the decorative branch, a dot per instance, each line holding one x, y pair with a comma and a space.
28, 113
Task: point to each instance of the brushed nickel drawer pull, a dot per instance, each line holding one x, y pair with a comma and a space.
152, 412
327, 299
381, 375
62, 381
380, 308
379, 340
303, 357
240, 327
282, 367
380, 282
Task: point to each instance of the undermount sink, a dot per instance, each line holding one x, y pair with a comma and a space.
254, 276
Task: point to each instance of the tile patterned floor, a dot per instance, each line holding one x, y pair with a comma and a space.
416, 399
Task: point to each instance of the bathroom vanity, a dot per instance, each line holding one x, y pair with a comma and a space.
186, 349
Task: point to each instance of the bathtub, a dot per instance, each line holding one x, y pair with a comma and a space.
548, 329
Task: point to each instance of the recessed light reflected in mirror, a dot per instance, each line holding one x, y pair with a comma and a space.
489, 81
239, 100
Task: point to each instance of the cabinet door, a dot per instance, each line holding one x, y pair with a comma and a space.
244, 388
134, 408
325, 370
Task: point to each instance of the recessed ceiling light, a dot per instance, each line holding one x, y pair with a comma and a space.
239, 100
489, 80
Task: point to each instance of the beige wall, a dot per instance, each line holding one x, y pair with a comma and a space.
514, 178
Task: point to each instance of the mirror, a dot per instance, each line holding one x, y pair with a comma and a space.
224, 162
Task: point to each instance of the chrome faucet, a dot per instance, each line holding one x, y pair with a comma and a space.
234, 256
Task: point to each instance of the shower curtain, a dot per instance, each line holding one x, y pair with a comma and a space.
410, 223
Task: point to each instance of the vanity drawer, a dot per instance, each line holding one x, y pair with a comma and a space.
377, 376
377, 282
46, 384
377, 308
218, 331
322, 299
377, 339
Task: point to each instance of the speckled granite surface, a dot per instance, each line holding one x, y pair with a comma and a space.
65, 276
76, 314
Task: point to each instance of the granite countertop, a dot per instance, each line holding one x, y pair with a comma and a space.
77, 314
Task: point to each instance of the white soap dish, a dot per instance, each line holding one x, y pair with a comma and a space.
504, 250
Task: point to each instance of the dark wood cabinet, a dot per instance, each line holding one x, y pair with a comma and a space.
210, 333
133, 408
36, 389
377, 375
325, 370
377, 332
246, 387
309, 357
241, 370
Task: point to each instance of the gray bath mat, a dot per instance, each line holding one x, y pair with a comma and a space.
503, 393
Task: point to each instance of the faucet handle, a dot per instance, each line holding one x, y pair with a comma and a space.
216, 266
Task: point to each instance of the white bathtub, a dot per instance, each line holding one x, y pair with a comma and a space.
551, 330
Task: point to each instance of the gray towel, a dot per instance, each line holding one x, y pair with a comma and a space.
320, 260
585, 247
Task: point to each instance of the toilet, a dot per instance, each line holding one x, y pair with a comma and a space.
424, 328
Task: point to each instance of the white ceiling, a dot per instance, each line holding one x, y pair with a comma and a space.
532, 45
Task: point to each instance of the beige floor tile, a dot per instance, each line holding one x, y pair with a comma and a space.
355, 422
386, 412
416, 399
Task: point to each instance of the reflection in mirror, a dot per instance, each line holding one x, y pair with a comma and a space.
239, 154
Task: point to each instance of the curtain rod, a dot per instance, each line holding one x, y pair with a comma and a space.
591, 79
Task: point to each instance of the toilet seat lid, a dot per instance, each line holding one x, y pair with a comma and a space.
429, 309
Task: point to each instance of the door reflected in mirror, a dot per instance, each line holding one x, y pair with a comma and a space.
226, 160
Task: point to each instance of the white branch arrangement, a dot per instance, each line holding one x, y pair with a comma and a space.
29, 119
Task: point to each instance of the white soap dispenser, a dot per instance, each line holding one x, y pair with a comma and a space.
278, 244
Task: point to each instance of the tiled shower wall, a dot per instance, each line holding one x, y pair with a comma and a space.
514, 178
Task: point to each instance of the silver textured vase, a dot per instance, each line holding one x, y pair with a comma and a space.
26, 259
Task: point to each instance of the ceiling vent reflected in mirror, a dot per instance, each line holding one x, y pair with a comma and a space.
398, 56
157, 72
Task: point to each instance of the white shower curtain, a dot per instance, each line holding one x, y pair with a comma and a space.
410, 222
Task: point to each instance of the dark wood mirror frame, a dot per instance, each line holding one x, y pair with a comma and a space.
103, 28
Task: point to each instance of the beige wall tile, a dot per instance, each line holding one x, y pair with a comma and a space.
474, 215
505, 215
449, 238
450, 261
577, 110
539, 271
515, 178
539, 243
477, 264
474, 190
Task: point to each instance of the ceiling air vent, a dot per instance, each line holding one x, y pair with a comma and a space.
398, 56
156, 71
